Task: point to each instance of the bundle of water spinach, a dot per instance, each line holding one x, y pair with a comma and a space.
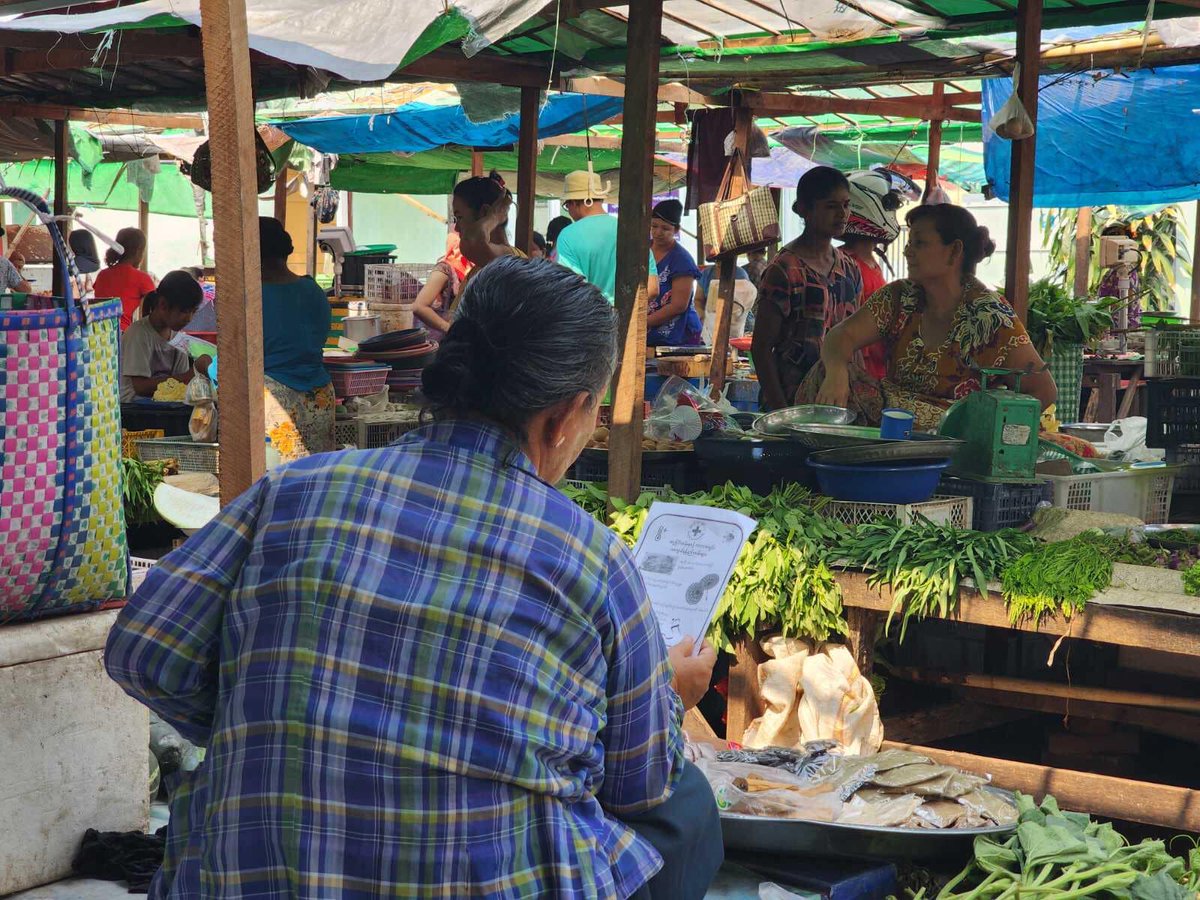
924, 564
1057, 578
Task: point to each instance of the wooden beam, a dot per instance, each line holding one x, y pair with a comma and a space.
933, 163
947, 720
1020, 200
235, 234
604, 86
1177, 725
1100, 795
1152, 629
527, 151
99, 116
476, 163
929, 108
743, 118
143, 212
1083, 251
637, 185
60, 194
444, 65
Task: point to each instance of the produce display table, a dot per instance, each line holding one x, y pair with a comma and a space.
1162, 629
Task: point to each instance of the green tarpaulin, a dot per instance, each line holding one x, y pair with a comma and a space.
110, 188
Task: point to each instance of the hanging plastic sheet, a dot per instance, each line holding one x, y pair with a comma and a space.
1129, 139
415, 127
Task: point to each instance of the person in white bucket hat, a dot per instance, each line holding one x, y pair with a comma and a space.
589, 245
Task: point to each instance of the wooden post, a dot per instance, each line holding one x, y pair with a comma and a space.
350, 211
281, 192
1083, 251
633, 259
144, 226
777, 199
60, 192
527, 167
745, 699
933, 163
742, 120
1194, 314
1020, 200
476, 163
235, 235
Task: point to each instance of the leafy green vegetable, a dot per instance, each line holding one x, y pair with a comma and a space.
924, 564
1067, 856
1191, 580
1056, 316
138, 481
1059, 577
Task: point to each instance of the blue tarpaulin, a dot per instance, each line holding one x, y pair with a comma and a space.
420, 126
1128, 139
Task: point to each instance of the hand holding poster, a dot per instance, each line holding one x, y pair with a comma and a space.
686, 555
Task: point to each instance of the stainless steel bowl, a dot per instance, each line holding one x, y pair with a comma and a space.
778, 422
831, 437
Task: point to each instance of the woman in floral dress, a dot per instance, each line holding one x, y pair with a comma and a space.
941, 326
300, 403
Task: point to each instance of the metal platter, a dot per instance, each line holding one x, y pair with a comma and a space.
777, 423
918, 446
764, 834
595, 454
831, 437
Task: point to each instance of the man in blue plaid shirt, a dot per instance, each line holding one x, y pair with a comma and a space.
421, 671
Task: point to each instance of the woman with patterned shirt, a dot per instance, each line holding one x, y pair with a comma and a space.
941, 325
421, 671
807, 289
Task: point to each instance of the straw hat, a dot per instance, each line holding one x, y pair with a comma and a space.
582, 185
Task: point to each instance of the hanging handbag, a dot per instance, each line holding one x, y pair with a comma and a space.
62, 525
739, 224
200, 168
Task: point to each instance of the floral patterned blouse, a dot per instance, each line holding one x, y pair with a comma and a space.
984, 332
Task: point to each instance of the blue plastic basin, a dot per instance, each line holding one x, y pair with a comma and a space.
870, 483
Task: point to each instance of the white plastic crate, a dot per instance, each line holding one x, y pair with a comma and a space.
954, 511
395, 282
372, 431
138, 569
1142, 493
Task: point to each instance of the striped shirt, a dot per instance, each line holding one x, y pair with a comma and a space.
418, 671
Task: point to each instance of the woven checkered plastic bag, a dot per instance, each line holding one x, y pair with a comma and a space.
741, 224
62, 525
1066, 365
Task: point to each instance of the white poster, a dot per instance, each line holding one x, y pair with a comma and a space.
686, 555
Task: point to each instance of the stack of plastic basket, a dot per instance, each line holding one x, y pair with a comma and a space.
391, 290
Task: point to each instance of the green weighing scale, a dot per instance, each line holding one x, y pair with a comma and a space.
1000, 430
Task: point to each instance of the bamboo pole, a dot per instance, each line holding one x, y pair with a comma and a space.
1083, 251
527, 168
742, 120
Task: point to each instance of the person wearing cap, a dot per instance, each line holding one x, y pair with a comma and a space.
672, 320
588, 246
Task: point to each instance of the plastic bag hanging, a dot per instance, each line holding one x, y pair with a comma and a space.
1012, 121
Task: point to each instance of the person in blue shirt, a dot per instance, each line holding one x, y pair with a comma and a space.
672, 320
300, 402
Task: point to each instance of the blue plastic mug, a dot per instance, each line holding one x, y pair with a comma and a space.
897, 425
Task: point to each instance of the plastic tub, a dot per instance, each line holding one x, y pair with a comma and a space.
879, 484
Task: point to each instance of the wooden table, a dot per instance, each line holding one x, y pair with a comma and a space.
1104, 377
1099, 795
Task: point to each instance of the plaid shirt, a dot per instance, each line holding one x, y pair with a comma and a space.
419, 672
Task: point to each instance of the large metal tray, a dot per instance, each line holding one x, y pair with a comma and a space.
831, 437
763, 834
776, 423
919, 446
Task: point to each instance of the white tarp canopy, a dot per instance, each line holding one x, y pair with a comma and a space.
361, 40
